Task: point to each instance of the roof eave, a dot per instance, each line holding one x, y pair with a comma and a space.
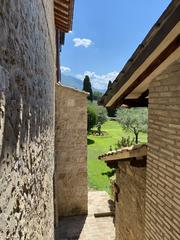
63, 14
168, 20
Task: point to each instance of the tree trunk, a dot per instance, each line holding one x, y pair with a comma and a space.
136, 134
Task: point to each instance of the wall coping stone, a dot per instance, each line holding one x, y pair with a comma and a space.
71, 88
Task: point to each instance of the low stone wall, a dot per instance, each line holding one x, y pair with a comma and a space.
71, 151
130, 202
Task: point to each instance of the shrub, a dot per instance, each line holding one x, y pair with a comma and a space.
125, 142
92, 117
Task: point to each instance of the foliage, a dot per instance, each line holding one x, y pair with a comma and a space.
109, 85
124, 142
109, 173
111, 112
97, 96
91, 117
101, 114
96, 116
87, 87
134, 119
99, 128
101, 117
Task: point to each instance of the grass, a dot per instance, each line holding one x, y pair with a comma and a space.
101, 144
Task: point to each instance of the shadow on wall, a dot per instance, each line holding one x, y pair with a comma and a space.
15, 114
111, 204
23, 125
70, 227
21, 119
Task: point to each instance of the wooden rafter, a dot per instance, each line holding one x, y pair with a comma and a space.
168, 22
61, 1
63, 12
136, 102
59, 26
62, 20
144, 94
61, 6
159, 60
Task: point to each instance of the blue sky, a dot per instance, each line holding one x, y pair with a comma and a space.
104, 36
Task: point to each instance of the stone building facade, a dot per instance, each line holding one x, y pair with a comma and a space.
27, 117
71, 190
163, 170
27, 74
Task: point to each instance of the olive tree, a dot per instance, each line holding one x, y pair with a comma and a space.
134, 119
101, 117
91, 117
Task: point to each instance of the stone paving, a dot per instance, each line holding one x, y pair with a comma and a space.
89, 227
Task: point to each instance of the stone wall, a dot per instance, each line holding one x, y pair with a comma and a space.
27, 77
71, 151
163, 169
130, 205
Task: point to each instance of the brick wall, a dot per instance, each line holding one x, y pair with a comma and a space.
71, 151
163, 169
27, 76
129, 210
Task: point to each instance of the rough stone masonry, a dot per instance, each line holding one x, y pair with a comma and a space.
71, 152
27, 77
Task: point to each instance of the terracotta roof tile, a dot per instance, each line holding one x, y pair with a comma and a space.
136, 151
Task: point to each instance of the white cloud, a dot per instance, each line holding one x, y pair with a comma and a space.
82, 42
99, 81
65, 69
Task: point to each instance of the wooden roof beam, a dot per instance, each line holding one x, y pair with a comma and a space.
159, 60
162, 33
62, 1
60, 19
62, 6
61, 13
136, 102
63, 21
61, 27
144, 94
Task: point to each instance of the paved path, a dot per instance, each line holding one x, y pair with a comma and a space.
89, 227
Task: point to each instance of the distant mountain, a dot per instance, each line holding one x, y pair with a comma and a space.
74, 82
71, 81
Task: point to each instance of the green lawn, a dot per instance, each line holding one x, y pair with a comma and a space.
101, 144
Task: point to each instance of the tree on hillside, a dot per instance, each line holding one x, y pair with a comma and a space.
134, 119
87, 87
109, 84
